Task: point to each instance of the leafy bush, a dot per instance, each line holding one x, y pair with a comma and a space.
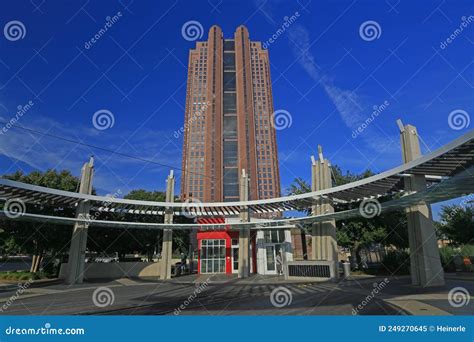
397, 262
467, 250
447, 254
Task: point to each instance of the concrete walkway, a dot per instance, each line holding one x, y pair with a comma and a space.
222, 295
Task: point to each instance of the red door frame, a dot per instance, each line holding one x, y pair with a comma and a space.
226, 235
218, 235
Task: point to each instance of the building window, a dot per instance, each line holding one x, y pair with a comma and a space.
213, 256
274, 235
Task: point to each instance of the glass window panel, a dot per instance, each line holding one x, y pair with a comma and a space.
274, 236
230, 128
282, 236
230, 155
230, 105
229, 61
270, 258
231, 183
229, 45
209, 266
267, 235
212, 256
229, 81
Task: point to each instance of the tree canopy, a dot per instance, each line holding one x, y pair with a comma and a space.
457, 224
36, 238
357, 233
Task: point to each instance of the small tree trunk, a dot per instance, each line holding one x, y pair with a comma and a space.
33, 263
37, 264
357, 249
358, 260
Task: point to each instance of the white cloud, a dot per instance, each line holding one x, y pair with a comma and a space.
351, 108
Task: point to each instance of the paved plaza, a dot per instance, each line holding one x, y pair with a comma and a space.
223, 295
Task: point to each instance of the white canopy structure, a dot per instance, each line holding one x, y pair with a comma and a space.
448, 171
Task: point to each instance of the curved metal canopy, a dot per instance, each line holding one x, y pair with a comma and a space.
460, 185
442, 164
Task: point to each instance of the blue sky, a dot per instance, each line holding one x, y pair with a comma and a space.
324, 74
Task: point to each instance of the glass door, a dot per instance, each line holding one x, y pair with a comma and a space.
271, 259
271, 252
235, 255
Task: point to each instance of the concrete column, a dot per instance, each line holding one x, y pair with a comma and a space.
425, 262
323, 239
244, 233
77, 250
167, 247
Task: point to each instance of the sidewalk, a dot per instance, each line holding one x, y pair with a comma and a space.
467, 276
14, 284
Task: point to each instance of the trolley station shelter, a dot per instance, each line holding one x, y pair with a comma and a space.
244, 244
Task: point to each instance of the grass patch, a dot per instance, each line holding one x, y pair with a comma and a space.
22, 275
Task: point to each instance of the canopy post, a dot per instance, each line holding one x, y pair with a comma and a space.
167, 247
425, 262
77, 251
323, 234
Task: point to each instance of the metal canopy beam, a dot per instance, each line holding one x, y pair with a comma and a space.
460, 154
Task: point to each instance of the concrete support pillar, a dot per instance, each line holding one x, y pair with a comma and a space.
167, 247
323, 239
425, 262
77, 250
244, 233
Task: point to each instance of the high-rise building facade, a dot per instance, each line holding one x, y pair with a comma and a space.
228, 120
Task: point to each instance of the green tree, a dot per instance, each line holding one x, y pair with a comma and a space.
34, 238
358, 233
339, 178
142, 241
457, 224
